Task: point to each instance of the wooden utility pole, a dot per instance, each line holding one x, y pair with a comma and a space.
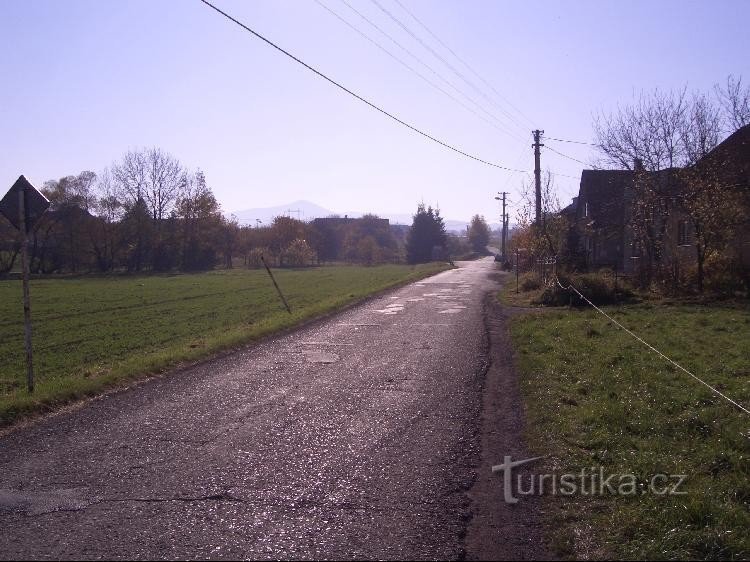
505, 223
537, 175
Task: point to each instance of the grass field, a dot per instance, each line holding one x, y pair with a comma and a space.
92, 332
596, 397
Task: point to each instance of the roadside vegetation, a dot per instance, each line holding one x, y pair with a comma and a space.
94, 332
595, 397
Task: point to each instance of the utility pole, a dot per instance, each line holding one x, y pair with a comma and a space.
505, 221
537, 175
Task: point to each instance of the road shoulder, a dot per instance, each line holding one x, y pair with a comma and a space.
497, 530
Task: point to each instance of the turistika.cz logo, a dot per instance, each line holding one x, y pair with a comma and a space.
588, 482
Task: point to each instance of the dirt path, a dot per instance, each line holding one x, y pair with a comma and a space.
498, 530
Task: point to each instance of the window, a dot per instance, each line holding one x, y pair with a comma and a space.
683, 233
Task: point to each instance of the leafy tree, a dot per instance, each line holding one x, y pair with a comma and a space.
326, 238
201, 220
298, 253
369, 240
69, 220
137, 231
479, 234
284, 231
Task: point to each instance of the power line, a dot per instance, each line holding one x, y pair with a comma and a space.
566, 156
563, 175
427, 66
437, 55
515, 163
351, 93
409, 67
462, 61
571, 141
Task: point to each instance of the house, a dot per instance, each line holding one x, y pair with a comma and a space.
600, 216
604, 209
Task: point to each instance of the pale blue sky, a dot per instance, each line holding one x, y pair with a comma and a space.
84, 81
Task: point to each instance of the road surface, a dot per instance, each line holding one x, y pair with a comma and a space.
354, 437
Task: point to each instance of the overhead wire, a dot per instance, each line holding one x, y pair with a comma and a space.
546, 146
570, 141
497, 126
423, 63
462, 61
438, 56
354, 94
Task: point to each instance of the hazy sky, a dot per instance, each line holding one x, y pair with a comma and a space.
81, 82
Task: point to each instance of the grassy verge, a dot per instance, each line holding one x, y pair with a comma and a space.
595, 397
523, 299
92, 333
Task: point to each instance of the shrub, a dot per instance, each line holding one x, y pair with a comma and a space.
298, 253
596, 287
530, 282
253, 257
723, 276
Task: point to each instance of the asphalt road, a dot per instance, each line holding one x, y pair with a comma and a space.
354, 437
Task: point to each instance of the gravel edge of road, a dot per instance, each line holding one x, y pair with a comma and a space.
496, 530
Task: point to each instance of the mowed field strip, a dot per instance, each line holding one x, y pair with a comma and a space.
92, 332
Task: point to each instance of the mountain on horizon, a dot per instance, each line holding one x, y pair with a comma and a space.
307, 210
301, 209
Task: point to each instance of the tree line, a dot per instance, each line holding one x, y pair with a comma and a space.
147, 212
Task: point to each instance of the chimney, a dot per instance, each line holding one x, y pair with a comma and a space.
637, 165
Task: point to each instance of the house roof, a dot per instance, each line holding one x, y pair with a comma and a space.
731, 158
604, 191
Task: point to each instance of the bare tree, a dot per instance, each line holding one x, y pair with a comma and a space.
650, 130
549, 238
108, 208
735, 101
164, 177
701, 128
130, 179
130, 175
713, 208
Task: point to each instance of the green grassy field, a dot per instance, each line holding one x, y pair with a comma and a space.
92, 332
596, 397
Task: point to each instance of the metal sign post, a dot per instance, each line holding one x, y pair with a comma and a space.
23, 205
26, 296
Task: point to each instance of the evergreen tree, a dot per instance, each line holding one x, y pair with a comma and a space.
426, 240
479, 234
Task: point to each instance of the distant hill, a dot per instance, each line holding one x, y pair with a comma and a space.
306, 210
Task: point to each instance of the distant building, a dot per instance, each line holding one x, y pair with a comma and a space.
340, 221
